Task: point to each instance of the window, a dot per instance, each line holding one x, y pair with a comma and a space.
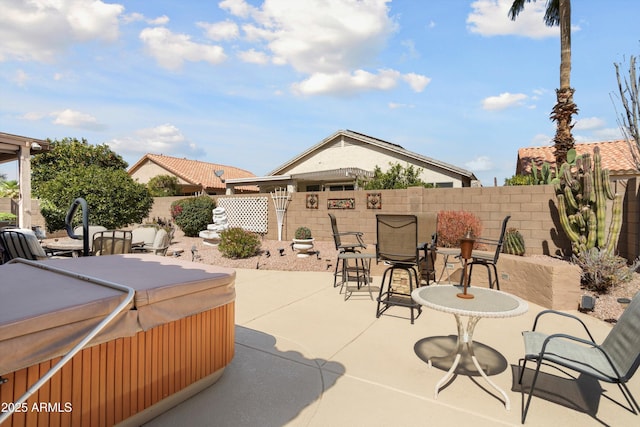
315, 187
341, 187
444, 184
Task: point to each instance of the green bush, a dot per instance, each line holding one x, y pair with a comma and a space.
6, 216
602, 270
238, 243
193, 214
453, 225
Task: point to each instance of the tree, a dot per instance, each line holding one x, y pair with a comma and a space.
631, 104
77, 169
163, 186
397, 176
9, 189
558, 12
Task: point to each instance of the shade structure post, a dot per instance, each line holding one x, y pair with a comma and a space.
280, 199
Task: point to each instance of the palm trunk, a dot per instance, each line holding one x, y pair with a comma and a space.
564, 109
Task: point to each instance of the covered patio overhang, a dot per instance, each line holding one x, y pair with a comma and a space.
20, 148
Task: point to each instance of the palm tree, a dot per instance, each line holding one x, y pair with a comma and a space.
10, 189
559, 13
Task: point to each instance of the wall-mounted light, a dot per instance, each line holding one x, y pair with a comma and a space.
36, 147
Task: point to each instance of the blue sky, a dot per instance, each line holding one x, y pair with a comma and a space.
252, 84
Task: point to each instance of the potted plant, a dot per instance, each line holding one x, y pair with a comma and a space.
303, 241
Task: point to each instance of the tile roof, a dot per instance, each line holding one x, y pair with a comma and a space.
617, 156
195, 171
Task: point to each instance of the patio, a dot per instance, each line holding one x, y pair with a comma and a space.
306, 357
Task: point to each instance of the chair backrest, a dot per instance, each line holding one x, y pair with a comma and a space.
161, 242
93, 229
145, 234
397, 238
501, 238
336, 233
20, 243
112, 242
623, 342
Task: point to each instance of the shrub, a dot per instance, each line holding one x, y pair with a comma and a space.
238, 243
452, 225
6, 216
193, 214
602, 270
303, 233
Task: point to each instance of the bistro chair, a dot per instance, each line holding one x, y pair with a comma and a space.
353, 244
614, 361
489, 258
112, 242
397, 246
20, 243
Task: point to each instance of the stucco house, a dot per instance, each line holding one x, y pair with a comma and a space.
194, 176
340, 160
620, 157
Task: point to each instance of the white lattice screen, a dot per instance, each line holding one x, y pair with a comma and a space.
249, 213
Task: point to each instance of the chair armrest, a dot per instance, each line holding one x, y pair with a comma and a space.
560, 313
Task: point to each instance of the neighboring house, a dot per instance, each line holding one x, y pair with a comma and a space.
194, 176
339, 161
620, 157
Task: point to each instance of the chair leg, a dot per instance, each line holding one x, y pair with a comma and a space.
533, 385
495, 273
635, 408
384, 277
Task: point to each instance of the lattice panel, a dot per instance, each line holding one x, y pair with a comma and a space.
249, 213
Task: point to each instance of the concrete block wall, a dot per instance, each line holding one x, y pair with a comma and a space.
532, 210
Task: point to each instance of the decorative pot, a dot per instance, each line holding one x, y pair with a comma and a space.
303, 246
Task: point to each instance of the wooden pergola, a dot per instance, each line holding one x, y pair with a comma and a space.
20, 148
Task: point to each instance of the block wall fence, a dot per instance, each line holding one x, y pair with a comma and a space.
532, 209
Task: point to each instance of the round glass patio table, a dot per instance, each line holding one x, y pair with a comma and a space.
486, 303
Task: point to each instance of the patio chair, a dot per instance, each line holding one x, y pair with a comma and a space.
354, 244
397, 246
614, 361
489, 258
112, 242
20, 243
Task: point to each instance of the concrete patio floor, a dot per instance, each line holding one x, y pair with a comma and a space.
306, 357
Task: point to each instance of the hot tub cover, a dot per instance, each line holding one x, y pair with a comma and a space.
44, 313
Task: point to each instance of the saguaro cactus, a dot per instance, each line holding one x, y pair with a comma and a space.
582, 195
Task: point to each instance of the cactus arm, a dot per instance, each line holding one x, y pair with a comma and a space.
571, 201
600, 198
606, 184
592, 234
564, 220
616, 223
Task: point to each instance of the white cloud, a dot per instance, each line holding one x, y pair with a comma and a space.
503, 101
163, 139
253, 56
541, 140
138, 17
479, 164
226, 30
490, 18
76, 119
238, 8
589, 123
416, 81
317, 36
343, 83
170, 50
40, 30
32, 116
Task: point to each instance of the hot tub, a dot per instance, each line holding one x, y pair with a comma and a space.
173, 338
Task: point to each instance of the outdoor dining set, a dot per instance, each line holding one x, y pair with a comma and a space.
398, 246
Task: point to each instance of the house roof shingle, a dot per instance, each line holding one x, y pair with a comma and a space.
617, 156
195, 171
